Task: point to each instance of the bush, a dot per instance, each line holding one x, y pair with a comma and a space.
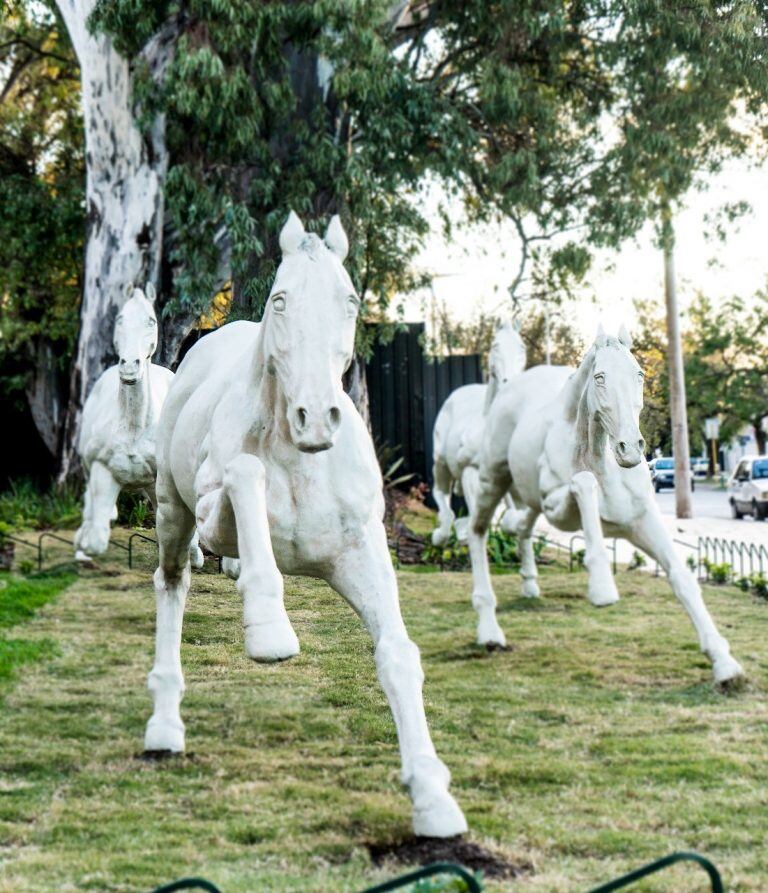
24, 506
454, 556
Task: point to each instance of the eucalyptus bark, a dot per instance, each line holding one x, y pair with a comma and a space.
125, 173
677, 401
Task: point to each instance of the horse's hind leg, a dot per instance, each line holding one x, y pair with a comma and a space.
363, 575
601, 587
175, 525
528, 571
441, 491
469, 486
490, 491
269, 635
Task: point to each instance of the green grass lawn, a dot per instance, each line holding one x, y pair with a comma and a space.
20, 598
596, 743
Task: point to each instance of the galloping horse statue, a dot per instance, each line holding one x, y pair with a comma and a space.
567, 443
117, 437
263, 452
458, 431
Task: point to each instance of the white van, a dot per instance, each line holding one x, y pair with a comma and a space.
748, 488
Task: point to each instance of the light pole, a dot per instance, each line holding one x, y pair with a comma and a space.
712, 432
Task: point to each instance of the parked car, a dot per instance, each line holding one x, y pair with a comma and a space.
748, 488
700, 466
663, 473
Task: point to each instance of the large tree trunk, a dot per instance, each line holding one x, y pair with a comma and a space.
124, 193
44, 394
677, 401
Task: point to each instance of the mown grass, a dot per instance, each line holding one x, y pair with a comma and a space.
20, 598
596, 743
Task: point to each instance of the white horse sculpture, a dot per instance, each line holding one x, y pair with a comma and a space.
117, 438
567, 443
458, 431
261, 449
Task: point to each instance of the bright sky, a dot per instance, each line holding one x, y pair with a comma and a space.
474, 270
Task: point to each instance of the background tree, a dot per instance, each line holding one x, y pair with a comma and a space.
329, 107
41, 225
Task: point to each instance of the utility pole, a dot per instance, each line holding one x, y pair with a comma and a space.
678, 407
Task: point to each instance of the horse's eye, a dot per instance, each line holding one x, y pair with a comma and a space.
600, 378
353, 305
278, 302
151, 322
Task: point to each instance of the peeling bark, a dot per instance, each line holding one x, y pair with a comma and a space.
124, 193
44, 395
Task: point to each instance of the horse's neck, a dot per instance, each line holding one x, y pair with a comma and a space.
135, 403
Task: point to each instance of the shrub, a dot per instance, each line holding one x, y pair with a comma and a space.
638, 561
24, 505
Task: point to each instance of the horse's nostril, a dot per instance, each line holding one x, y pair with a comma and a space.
622, 445
301, 418
641, 445
334, 417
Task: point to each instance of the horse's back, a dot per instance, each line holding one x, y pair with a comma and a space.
212, 355
461, 412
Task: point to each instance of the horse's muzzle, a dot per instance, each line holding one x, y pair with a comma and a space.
313, 431
628, 454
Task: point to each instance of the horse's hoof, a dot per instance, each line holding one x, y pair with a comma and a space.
81, 556
602, 596
727, 670
440, 537
462, 530
435, 812
164, 734
490, 634
231, 567
196, 557
271, 642
531, 589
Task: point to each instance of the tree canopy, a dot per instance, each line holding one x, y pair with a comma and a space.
565, 116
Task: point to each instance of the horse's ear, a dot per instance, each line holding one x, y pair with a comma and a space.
291, 234
150, 293
600, 339
516, 326
128, 291
624, 337
336, 238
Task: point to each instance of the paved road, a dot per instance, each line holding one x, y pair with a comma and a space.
708, 502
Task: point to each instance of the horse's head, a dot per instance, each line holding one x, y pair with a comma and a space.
309, 330
615, 396
507, 356
135, 337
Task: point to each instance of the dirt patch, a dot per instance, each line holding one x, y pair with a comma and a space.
426, 850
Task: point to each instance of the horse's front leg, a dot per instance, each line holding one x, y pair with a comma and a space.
649, 535
363, 575
242, 500
601, 587
175, 523
196, 557
92, 538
